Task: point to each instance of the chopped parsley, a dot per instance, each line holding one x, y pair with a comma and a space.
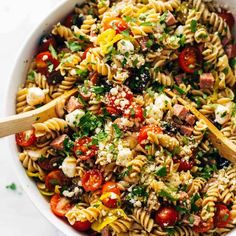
118, 132
193, 200
193, 26
179, 90
31, 76
11, 186
73, 46
167, 193
207, 171
161, 171
53, 51
99, 137
147, 24
98, 89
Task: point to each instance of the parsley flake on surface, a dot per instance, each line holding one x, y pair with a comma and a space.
11, 186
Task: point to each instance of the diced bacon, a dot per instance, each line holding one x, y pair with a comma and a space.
200, 47
196, 220
58, 142
143, 43
186, 130
73, 104
183, 196
179, 78
206, 81
105, 232
190, 119
231, 50
180, 111
225, 41
170, 19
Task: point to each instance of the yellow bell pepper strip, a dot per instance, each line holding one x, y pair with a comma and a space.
99, 225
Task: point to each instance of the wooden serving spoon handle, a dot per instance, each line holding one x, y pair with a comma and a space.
21, 122
226, 148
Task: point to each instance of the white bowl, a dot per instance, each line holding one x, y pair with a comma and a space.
18, 76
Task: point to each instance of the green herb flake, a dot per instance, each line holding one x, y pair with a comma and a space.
147, 24
149, 43
126, 33
50, 68
161, 171
53, 51
167, 193
118, 132
73, 46
193, 26
179, 90
98, 89
31, 76
193, 200
225, 217
11, 186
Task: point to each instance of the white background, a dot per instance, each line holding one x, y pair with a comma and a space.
18, 216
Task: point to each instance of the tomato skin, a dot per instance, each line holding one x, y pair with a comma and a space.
110, 187
43, 60
26, 138
55, 177
143, 133
203, 227
116, 23
222, 216
228, 17
188, 59
166, 216
59, 205
82, 226
185, 165
112, 110
92, 180
85, 53
137, 112
45, 43
83, 148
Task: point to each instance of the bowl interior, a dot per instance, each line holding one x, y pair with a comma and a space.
18, 77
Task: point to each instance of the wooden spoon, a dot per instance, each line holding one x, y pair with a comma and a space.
226, 148
21, 122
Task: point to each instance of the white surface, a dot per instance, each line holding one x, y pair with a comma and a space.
18, 215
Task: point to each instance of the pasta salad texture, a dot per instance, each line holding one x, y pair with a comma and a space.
123, 158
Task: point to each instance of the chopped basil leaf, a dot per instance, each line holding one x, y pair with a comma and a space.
98, 89
118, 132
193, 26
73, 46
161, 171
31, 76
11, 186
53, 51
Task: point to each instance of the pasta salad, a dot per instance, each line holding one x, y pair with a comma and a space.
123, 158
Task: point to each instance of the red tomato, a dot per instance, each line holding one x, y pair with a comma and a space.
166, 216
26, 138
92, 180
55, 177
110, 187
228, 17
117, 24
185, 165
203, 227
135, 111
45, 42
112, 110
143, 133
222, 216
68, 22
189, 59
120, 98
44, 60
84, 149
82, 226
85, 53
59, 205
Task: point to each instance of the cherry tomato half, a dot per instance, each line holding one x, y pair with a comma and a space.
120, 98
82, 226
59, 205
143, 133
228, 17
111, 187
112, 110
45, 42
44, 60
92, 180
189, 59
166, 216
85, 53
135, 111
203, 227
55, 177
116, 23
26, 138
84, 149
185, 165
222, 216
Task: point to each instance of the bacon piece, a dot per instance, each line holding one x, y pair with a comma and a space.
186, 130
58, 142
170, 19
230, 51
190, 119
179, 78
180, 111
73, 104
206, 81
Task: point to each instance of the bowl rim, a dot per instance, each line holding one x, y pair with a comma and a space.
26, 182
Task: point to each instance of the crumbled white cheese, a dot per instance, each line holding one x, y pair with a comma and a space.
35, 96
179, 30
69, 166
222, 114
114, 91
125, 46
74, 117
124, 156
163, 102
